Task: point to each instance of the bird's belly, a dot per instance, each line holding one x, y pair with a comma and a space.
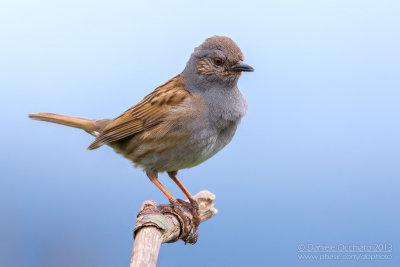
188, 153
184, 155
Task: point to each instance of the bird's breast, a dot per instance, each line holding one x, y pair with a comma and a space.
225, 108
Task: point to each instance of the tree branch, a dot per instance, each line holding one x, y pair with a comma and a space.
160, 224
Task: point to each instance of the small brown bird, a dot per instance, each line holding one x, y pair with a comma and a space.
180, 124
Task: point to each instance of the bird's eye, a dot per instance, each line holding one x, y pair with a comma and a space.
217, 61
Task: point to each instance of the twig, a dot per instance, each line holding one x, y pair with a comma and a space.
160, 224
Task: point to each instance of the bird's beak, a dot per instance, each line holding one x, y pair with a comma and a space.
241, 66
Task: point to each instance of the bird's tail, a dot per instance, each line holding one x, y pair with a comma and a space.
91, 126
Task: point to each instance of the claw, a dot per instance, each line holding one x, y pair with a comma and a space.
190, 224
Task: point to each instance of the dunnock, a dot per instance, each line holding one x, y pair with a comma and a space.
180, 124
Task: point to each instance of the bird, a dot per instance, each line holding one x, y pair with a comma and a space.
182, 123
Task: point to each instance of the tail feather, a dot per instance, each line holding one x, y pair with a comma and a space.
90, 126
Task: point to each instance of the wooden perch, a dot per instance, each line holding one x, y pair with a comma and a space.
160, 224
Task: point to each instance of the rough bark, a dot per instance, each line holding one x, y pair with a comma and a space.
161, 224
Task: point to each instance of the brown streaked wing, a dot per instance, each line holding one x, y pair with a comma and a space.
146, 114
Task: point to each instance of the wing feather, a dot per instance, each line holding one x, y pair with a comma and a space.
149, 112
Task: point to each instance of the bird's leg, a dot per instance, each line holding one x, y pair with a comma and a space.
153, 176
193, 202
179, 205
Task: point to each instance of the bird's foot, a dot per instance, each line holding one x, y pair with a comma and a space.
189, 214
195, 212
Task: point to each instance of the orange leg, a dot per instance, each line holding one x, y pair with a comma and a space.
154, 179
189, 226
181, 186
193, 202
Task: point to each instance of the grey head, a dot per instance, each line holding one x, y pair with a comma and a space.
218, 62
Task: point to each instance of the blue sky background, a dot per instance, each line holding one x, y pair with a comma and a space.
315, 161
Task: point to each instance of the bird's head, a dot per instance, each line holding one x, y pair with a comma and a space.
218, 61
